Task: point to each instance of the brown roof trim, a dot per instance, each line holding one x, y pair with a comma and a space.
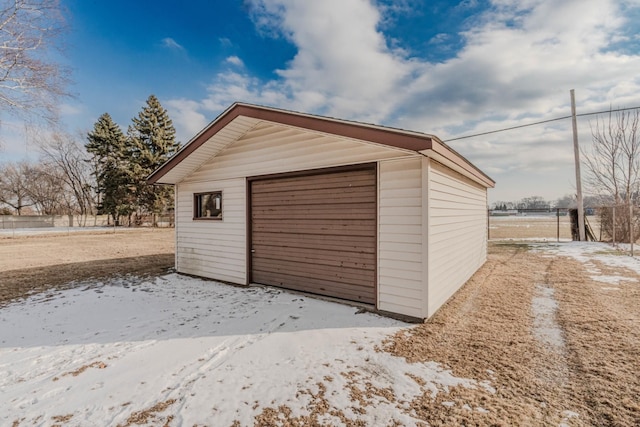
396, 138
390, 137
343, 128
214, 127
443, 149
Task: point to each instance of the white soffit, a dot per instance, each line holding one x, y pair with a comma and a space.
218, 142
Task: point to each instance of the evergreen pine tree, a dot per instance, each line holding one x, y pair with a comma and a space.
151, 142
106, 143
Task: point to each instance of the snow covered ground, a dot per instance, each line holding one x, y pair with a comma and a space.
185, 351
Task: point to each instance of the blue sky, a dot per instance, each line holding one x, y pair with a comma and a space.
448, 68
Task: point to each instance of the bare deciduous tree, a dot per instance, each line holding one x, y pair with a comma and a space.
58, 184
13, 186
533, 202
31, 81
65, 155
613, 164
45, 189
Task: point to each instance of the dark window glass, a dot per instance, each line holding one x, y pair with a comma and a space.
208, 205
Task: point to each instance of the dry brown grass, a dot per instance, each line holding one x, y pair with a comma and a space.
97, 364
60, 420
151, 415
40, 263
601, 324
21, 252
485, 333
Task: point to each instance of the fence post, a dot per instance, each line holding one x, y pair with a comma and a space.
558, 224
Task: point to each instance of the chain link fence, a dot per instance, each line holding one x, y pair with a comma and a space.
553, 224
17, 222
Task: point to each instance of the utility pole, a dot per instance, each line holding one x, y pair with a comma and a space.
576, 153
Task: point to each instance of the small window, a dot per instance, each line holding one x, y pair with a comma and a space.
207, 205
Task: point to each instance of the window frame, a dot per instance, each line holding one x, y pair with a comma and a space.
197, 201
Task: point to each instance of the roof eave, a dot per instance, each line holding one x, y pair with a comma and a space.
425, 144
450, 158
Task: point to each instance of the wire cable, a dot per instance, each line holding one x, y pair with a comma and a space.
539, 123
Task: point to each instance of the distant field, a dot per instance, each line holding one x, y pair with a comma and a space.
38, 263
535, 227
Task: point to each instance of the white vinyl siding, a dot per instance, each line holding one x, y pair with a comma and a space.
457, 236
208, 248
400, 264
217, 249
268, 148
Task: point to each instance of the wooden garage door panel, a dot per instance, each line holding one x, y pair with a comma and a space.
319, 197
320, 256
318, 286
329, 181
328, 227
294, 213
316, 233
346, 245
358, 276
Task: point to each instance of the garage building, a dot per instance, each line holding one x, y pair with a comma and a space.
385, 217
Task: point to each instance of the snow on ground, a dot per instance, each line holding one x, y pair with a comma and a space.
532, 239
545, 327
205, 353
587, 252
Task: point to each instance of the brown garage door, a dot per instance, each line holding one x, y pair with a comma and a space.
316, 233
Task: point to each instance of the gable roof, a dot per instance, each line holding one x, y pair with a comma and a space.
240, 117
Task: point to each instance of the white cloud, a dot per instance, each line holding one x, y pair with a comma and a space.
439, 38
345, 59
519, 60
232, 86
186, 118
234, 60
170, 43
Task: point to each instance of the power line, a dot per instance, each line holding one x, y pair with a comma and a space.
539, 123
607, 111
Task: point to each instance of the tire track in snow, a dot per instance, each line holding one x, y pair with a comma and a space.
551, 336
214, 359
50, 368
220, 358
